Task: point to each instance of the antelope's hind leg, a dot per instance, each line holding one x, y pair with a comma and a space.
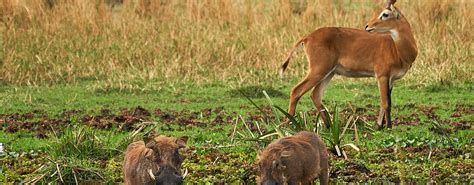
320, 66
317, 97
299, 90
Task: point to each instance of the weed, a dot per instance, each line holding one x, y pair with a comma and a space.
81, 143
335, 135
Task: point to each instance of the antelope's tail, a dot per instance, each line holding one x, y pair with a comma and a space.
287, 60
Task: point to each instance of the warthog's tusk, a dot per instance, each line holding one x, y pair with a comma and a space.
185, 173
150, 172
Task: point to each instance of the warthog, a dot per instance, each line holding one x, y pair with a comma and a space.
298, 159
155, 160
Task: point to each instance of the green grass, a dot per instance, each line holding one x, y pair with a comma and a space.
212, 154
83, 96
23, 142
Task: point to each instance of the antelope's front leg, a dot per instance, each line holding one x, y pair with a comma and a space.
381, 118
384, 115
388, 118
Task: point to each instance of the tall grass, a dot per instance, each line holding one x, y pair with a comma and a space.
120, 42
83, 154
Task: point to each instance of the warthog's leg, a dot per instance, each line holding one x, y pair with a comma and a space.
324, 177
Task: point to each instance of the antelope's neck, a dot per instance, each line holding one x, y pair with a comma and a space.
405, 43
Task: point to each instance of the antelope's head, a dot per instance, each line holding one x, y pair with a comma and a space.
386, 21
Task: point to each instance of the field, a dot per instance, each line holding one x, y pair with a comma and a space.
80, 80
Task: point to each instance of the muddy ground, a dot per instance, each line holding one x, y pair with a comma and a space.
213, 163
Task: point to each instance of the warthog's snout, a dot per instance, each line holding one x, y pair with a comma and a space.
169, 176
270, 182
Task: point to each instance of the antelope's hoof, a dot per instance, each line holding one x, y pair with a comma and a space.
327, 123
380, 127
286, 121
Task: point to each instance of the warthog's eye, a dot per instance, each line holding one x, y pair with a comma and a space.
178, 158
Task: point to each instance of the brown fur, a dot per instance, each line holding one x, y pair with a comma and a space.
152, 153
298, 159
386, 50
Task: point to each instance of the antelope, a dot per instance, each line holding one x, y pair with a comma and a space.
385, 50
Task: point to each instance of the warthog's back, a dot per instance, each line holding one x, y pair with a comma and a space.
304, 156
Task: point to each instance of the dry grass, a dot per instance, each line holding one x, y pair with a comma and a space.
239, 41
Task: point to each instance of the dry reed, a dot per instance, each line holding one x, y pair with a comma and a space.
239, 41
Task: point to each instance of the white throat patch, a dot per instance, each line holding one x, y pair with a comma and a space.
394, 34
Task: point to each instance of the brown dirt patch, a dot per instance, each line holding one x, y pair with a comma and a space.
203, 118
351, 172
39, 124
125, 120
412, 119
462, 125
461, 110
429, 112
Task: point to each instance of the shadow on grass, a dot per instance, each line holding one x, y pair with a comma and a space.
255, 91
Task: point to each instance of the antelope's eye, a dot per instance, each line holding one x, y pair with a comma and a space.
384, 15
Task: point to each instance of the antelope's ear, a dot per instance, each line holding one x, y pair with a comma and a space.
395, 11
181, 141
392, 8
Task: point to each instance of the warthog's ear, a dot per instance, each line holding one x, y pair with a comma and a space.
153, 154
149, 141
259, 153
277, 165
181, 141
285, 154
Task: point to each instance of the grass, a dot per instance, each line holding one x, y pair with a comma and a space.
56, 98
24, 141
388, 154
